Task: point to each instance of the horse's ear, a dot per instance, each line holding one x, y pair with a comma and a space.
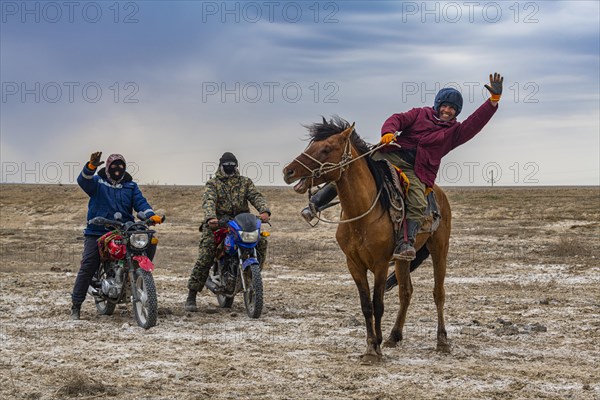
349, 130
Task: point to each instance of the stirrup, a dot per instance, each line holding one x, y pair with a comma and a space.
403, 257
309, 213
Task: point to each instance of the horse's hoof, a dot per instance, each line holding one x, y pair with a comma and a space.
370, 359
443, 347
390, 343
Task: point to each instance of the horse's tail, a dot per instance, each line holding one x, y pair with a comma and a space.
421, 256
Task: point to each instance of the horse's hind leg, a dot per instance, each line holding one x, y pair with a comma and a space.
439, 255
405, 290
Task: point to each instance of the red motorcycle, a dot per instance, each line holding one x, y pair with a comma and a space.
126, 271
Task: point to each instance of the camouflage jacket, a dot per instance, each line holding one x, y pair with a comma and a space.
229, 196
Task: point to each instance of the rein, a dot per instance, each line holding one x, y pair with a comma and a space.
344, 221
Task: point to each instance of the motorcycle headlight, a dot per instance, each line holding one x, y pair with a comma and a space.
249, 237
139, 240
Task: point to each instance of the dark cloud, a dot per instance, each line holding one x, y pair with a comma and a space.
202, 75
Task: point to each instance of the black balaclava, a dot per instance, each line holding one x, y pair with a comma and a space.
228, 163
115, 168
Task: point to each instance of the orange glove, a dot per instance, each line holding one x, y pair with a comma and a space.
495, 86
156, 219
387, 138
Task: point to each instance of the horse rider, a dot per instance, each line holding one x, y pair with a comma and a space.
425, 135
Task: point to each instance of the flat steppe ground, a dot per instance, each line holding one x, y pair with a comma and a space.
522, 307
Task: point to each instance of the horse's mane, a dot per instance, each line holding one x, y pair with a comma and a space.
319, 131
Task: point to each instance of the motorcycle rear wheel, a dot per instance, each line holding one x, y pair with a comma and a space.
253, 296
145, 303
103, 306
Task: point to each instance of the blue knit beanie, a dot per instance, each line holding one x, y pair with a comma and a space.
451, 96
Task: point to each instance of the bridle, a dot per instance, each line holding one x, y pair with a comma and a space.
342, 165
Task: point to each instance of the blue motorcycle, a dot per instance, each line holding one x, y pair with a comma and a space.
236, 267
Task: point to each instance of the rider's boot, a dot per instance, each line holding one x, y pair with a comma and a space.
196, 284
75, 311
190, 302
318, 200
405, 250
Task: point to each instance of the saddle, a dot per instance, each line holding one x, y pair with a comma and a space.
395, 186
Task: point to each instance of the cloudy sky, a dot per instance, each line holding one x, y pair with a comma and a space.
172, 85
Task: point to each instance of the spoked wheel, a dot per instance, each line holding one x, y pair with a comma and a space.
104, 307
253, 296
145, 304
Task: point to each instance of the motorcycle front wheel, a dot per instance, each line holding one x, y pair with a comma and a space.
253, 296
145, 303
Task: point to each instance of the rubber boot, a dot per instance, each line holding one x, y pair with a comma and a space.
190, 302
75, 312
406, 250
319, 201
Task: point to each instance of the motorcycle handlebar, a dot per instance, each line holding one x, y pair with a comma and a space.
222, 222
104, 221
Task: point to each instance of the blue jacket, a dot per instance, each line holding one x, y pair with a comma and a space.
106, 199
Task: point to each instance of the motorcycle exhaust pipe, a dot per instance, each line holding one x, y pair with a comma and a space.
210, 285
92, 291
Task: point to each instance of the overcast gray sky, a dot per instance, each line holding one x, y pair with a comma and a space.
172, 85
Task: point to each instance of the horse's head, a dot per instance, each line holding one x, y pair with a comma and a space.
325, 157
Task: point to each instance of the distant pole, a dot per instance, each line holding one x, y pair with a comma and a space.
492, 180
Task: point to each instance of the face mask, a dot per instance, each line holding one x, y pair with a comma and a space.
229, 168
116, 171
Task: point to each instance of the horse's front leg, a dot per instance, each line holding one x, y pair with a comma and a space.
405, 291
373, 352
378, 295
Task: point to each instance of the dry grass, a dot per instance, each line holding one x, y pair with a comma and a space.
570, 246
78, 385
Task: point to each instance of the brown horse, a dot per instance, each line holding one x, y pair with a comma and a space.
365, 234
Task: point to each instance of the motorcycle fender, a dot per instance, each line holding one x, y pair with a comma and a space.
144, 263
248, 262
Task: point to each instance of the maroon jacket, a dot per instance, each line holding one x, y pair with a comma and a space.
421, 130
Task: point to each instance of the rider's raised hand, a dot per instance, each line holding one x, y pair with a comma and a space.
95, 160
264, 217
387, 138
157, 219
495, 86
213, 223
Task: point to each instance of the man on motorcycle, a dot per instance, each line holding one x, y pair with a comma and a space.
112, 190
225, 196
